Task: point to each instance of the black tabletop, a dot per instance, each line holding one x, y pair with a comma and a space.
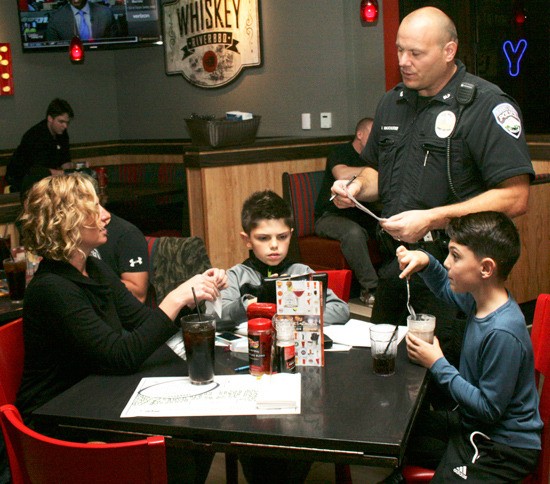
348, 413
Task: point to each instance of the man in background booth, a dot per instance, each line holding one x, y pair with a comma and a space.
351, 227
43, 150
82, 18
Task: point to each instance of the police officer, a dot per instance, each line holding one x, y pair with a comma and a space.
444, 143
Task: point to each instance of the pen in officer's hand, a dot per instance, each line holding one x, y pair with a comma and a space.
347, 185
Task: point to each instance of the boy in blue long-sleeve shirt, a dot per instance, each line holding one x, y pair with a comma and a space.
495, 434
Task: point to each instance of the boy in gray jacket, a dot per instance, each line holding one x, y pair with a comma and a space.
267, 228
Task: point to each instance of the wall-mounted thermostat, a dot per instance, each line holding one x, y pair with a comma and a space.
326, 120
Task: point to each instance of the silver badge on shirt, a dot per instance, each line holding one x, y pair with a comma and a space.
444, 124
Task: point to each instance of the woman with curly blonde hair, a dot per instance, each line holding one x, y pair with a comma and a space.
79, 318
55, 214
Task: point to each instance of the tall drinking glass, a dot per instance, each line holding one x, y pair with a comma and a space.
198, 338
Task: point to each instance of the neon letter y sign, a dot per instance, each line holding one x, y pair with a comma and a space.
514, 55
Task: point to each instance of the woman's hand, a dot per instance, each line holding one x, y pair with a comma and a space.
411, 261
423, 352
219, 276
206, 286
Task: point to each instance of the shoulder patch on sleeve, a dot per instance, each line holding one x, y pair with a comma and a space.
508, 119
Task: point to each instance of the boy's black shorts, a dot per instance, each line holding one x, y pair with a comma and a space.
474, 458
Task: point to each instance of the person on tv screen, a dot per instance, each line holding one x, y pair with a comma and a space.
85, 19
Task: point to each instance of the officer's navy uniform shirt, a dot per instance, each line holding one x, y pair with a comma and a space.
407, 145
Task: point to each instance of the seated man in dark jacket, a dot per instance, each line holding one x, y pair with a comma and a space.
44, 149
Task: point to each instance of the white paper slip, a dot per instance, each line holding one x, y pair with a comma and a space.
226, 395
239, 346
214, 307
360, 206
279, 391
238, 115
356, 333
336, 347
242, 329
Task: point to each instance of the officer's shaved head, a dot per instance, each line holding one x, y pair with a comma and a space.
433, 20
426, 47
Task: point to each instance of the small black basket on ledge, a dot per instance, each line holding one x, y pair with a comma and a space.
222, 132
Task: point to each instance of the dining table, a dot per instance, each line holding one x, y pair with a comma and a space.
349, 415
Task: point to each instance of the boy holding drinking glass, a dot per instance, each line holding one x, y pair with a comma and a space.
494, 434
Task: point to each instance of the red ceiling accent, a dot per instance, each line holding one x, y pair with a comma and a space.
369, 11
76, 50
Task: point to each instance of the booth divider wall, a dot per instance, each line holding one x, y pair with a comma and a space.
218, 181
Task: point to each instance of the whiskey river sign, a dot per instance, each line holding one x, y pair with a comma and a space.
210, 42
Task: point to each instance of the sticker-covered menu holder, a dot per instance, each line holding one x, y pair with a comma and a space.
303, 300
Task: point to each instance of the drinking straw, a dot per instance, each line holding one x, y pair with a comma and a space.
196, 303
393, 335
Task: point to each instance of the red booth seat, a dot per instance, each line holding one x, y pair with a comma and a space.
321, 254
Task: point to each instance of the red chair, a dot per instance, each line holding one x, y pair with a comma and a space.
417, 475
540, 337
321, 254
12, 354
339, 281
35, 458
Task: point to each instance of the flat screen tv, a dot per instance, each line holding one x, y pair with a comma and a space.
49, 25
